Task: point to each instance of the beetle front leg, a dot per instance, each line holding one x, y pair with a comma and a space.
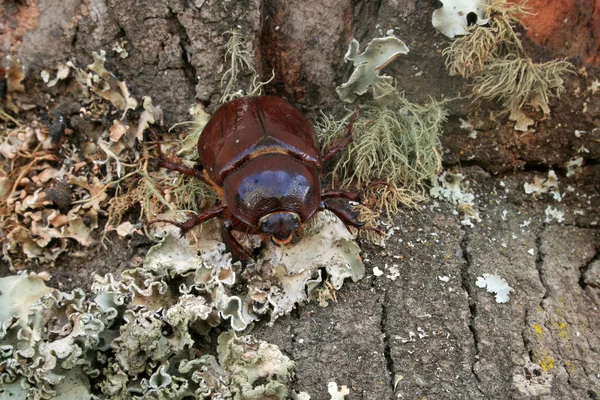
351, 195
195, 220
233, 245
342, 194
164, 163
343, 212
347, 215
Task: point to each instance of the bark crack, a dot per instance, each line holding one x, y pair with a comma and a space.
472, 304
539, 264
526, 342
189, 70
387, 350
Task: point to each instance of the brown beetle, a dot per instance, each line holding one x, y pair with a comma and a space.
261, 157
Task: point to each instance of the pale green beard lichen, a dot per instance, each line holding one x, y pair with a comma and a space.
395, 146
190, 193
237, 63
394, 141
518, 81
237, 59
494, 56
468, 54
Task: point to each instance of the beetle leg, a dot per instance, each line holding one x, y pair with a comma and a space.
341, 144
342, 194
233, 245
347, 216
350, 194
163, 163
195, 220
343, 212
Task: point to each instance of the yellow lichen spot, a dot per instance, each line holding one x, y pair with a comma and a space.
538, 329
547, 363
563, 332
562, 300
569, 366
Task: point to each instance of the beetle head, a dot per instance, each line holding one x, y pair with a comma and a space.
273, 194
280, 226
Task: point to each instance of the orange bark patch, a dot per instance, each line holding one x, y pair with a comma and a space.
15, 20
568, 27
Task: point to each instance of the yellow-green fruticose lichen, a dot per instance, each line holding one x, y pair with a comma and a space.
491, 52
518, 81
493, 37
395, 141
237, 64
395, 148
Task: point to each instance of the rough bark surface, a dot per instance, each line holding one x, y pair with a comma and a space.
430, 332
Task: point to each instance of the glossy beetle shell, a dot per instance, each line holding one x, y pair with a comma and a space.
261, 156
264, 155
250, 126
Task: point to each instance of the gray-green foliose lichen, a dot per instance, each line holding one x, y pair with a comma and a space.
368, 65
65, 341
139, 337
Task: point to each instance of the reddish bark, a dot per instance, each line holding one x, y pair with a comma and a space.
568, 27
